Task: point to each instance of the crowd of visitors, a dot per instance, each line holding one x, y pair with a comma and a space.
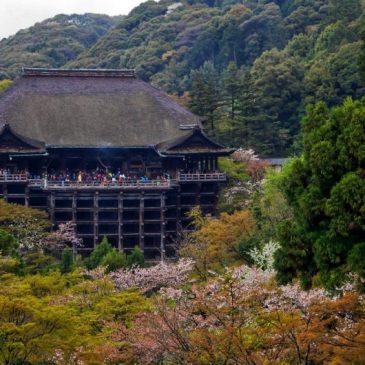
96, 176
100, 176
7, 171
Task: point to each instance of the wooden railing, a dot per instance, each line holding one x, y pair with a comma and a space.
46, 184
49, 185
13, 177
202, 177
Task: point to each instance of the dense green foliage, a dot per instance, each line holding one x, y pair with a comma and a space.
107, 256
52, 43
326, 189
8, 244
57, 319
66, 260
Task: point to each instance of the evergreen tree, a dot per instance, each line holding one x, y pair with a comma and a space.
326, 189
8, 244
114, 260
135, 258
66, 260
100, 251
206, 93
361, 60
344, 10
232, 86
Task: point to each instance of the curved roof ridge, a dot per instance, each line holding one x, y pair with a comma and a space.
81, 72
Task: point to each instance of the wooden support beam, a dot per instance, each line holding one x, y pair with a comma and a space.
74, 206
163, 225
51, 206
74, 219
120, 222
5, 191
141, 221
96, 218
26, 195
178, 207
197, 193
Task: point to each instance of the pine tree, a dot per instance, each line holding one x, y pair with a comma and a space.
66, 260
232, 86
114, 260
96, 257
135, 258
206, 96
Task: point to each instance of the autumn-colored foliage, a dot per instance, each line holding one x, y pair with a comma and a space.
214, 244
241, 317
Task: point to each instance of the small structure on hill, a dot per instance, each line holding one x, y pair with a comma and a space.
276, 163
109, 152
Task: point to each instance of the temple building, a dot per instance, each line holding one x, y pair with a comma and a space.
109, 152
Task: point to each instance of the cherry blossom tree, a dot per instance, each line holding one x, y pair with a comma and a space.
242, 317
146, 279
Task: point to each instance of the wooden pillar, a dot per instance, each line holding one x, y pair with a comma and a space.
141, 221
5, 191
215, 206
198, 188
215, 164
120, 222
178, 207
74, 205
51, 206
26, 196
74, 219
96, 218
163, 225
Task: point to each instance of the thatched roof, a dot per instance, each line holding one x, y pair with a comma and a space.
91, 108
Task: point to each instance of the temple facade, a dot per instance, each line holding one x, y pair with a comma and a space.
109, 152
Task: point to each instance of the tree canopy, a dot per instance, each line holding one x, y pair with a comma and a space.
325, 187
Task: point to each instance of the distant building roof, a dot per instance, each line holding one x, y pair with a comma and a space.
91, 108
276, 161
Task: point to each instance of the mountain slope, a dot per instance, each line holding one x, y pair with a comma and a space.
160, 42
53, 42
288, 53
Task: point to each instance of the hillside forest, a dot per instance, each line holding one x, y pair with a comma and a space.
278, 276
